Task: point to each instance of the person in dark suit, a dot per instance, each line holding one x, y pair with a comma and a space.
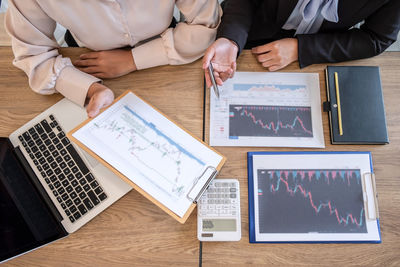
280, 32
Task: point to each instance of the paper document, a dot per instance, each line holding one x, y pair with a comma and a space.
305, 197
267, 109
151, 151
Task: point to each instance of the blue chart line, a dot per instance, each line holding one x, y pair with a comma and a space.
142, 148
172, 142
266, 87
302, 201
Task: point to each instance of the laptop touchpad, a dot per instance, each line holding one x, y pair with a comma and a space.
92, 161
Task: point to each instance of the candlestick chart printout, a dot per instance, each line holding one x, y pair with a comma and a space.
267, 109
311, 200
154, 153
312, 197
279, 121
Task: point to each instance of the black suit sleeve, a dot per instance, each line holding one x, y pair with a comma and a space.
378, 32
236, 21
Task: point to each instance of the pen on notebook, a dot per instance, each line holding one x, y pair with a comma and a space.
338, 104
211, 72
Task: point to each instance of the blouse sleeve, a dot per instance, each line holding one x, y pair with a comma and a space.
36, 53
187, 41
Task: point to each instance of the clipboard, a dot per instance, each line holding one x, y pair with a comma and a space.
369, 198
200, 183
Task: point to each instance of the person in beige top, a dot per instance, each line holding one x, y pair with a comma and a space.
107, 27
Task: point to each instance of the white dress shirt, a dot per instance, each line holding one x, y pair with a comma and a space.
308, 15
103, 25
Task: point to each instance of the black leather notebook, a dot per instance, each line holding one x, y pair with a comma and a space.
355, 105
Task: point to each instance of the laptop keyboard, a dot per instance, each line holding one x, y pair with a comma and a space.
62, 168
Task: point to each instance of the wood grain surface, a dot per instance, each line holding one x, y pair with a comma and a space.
133, 231
386, 161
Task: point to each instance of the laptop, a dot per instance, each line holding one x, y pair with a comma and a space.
48, 186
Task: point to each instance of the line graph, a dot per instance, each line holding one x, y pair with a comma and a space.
275, 121
267, 87
303, 201
273, 90
155, 155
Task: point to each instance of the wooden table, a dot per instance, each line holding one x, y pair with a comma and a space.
386, 161
135, 232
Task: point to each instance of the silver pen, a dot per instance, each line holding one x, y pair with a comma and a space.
211, 71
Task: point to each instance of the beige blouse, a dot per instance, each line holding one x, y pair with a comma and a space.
103, 25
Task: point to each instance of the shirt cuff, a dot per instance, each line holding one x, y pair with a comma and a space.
150, 54
74, 84
306, 50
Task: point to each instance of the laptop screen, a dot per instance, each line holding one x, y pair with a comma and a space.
25, 220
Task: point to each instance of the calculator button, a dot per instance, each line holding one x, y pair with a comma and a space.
233, 195
232, 189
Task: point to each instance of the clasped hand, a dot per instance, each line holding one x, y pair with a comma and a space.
278, 54
106, 64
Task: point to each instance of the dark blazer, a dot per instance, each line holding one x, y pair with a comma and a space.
254, 22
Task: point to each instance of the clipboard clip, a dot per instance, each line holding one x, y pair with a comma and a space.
214, 173
375, 196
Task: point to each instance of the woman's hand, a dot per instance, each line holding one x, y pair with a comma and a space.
107, 64
222, 54
277, 55
99, 97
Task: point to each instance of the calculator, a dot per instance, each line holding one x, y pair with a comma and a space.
218, 212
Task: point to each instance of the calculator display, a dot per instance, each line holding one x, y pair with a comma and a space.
219, 225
